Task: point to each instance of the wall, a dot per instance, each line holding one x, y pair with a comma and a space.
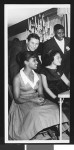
60, 14
21, 36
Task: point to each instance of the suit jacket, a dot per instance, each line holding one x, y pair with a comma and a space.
13, 65
52, 45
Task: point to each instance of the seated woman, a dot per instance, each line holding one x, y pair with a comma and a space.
30, 113
54, 81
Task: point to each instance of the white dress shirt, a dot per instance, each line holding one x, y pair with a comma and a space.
60, 43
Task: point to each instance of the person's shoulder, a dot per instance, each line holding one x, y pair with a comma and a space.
67, 41
67, 38
48, 41
24, 47
39, 76
17, 78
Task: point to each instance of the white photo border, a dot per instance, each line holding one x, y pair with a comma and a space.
6, 11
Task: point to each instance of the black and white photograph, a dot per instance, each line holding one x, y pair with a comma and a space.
37, 73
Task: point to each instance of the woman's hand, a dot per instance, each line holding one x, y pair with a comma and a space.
38, 100
41, 100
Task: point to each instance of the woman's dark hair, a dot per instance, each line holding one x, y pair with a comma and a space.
24, 56
49, 57
33, 35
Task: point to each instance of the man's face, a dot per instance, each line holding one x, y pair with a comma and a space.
59, 34
33, 44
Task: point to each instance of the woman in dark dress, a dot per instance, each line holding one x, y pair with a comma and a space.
54, 81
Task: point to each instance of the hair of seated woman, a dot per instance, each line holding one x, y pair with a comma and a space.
49, 57
25, 56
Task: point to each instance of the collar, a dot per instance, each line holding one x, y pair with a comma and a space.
58, 40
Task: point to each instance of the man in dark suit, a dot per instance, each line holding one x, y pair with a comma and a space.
31, 44
62, 44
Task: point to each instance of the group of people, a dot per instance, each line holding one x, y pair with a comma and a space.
36, 85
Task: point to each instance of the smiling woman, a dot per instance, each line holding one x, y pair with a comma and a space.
30, 113
54, 81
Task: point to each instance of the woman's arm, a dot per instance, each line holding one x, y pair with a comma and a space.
65, 80
16, 90
45, 85
40, 88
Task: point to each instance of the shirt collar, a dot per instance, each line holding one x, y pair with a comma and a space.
58, 40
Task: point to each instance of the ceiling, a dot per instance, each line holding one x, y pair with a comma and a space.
18, 13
